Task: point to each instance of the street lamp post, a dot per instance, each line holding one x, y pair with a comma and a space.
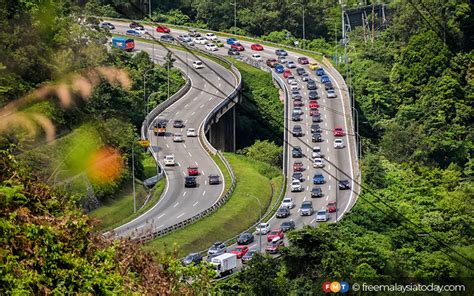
133, 179
235, 15
304, 29
260, 220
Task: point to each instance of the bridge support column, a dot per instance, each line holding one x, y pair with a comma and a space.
222, 133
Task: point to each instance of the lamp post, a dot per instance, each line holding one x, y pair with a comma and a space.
235, 15
304, 31
133, 178
260, 220
145, 98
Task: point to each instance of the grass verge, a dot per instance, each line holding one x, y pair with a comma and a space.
149, 166
238, 214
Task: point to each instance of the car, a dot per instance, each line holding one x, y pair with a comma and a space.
344, 184
238, 46
331, 207
132, 32
282, 59
256, 47
286, 73
233, 51
313, 95
298, 110
331, 94
198, 65
210, 36
281, 52
322, 216
240, 251
107, 25
178, 123
288, 202
169, 160
338, 144
294, 82
316, 137
167, 38
294, 87
303, 60
325, 79
338, 131
306, 208
317, 152
311, 86
313, 112
193, 170
291, 79
214, 180
318, 178
192, 258
313, 65
245, 238
316, 118
297, 152
162, 29
256, 57
320, 72
291, 64
135, 25
274, 246
178, 137
200, 40
190, 181
300, 71
305, 76
328, 86
297, 131
316, 191
298, 176
262, 228
271, 62
315, 128
297, 103
298, 166
310, 80
296, 186
279, 68
191, 132
296, 117
216, 249
193, 33
283, 213
231, 41
186, 39
248, 256
211, 47
318, 163
313, 104
287, 226
275, 233
218, 43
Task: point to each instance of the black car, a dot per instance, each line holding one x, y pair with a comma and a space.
214, 180
135, 25
178, 123
193, 33
315, 128
195, 258
298, 176
311, 86
107, 25
310, 80
313, 95
296, 117
344, 184
297, 152
167, 38
295, 94
287, 225
316, 192
316, 117
248, 256
233, 51
245, 238
297, 131
283, 213
300, 71
328, 86
317, 137
190, 181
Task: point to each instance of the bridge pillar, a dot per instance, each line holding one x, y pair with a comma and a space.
221, 135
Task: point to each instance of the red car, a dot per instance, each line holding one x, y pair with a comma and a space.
193, 170
257, 47
338, 131
331, 207
162, 29
303, 60
298, 103
313, 104
286, 73
313, 112
298, 166
275, 233
240, 251
238, 46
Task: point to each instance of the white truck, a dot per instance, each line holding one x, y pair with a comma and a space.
224, 264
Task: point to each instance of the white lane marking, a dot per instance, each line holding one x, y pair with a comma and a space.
327, 197
329, 178
307, 178
160, 216
325, 116
141, 226
180, 215
307, 149
307, 188
186, 106
190, 154
160, 226
196, 163
328, 150
220, 84
205, 84
184, 193
184, 145
304, 199
205, 182
195, 99
203, 172
307, 140
204, 193
184, 173
194, 204
195, 113
218, 79
210, 98
176, 204
186, 121
312, 221
326, 124
217, 91
177, 113
167, 146
329, 167
200, 107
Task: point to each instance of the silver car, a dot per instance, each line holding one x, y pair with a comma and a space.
322, 216
217, 249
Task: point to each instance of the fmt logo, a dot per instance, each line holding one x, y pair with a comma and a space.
335, 287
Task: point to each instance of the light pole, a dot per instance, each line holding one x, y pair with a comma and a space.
260, 220
304, 31
133, 178
235, 15
145, 98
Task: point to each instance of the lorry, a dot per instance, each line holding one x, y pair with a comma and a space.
224, 264
123, 43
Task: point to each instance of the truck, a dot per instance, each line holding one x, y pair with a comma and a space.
123, 43
160, 128
224, 264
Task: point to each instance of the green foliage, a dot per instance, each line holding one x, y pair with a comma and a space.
265, 151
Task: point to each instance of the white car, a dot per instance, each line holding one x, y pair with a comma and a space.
322, 216
317, 152
294, 87
200, 40
191, 132
140, 31
331, 94
169, 160
257, 57
338, 143
211, 47
262, 228
177, 137
291, 79
291, 64
198, 65
211, 36
296, 186
318, 163
287, 203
